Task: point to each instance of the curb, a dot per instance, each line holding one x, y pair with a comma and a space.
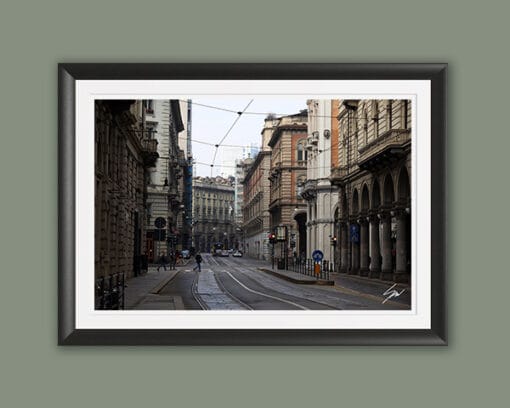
373, 281
162, 284
298, 281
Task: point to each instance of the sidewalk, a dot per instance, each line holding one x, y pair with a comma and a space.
295, 277
141, 291
374, 288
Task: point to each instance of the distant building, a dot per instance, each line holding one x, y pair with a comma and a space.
241, 165
250, 151
287, 173
213, 212
256, 224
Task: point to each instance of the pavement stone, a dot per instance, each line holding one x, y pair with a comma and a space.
212, 295
140, 288
295, 277
374, 287
351, 283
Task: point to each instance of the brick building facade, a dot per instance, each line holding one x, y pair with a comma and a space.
287, 173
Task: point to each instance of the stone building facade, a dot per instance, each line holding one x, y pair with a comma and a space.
213, 212
256, 203
373, 173
320, 194
240, 169
287, 173
122, 156
162, 121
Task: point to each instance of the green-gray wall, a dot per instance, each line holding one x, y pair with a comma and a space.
471, 36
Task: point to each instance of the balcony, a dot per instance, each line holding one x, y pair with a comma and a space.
150, 152
386, 149
313, 139
309, 189
338, 174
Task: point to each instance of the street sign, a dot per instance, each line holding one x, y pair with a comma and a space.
355, 233
317, 255
281, 233
160, 222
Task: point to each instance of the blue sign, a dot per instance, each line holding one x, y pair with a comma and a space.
160, 222
355, 233
317, 255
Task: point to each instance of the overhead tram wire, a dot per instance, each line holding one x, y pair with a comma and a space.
212, 165
239, 114
255, 113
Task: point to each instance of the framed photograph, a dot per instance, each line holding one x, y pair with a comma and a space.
252, 204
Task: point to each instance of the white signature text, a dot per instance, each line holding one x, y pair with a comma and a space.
391, 293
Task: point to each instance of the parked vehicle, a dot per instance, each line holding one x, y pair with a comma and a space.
186, 254
224, 252
217, 249
237, 254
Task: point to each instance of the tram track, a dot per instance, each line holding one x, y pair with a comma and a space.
291, 300
194, 293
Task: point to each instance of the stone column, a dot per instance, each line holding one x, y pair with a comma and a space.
354, 270
344, 248
308, 239
401, 274
363, 236
375, 250
386, 270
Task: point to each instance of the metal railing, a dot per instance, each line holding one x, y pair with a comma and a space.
308, 267
150, 145
389, 138
110, 292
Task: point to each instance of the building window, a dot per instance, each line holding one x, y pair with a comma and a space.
302, 153
148, 104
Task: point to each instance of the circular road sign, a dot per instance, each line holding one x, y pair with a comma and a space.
317, 255
160, 222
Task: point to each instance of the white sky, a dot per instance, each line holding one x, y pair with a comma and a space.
211, 125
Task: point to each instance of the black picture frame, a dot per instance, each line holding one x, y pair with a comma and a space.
69, 73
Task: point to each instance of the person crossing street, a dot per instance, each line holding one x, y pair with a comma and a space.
198, 259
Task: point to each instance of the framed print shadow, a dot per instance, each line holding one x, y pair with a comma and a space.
252, 204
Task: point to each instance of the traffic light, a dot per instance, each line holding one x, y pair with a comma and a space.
272, 238
333, 240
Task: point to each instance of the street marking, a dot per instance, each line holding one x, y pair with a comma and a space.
266, 295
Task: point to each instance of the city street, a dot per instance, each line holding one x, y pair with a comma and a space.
336, 224
227, 283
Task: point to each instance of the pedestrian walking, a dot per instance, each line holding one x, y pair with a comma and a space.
198, 259
162, 261
172, 261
